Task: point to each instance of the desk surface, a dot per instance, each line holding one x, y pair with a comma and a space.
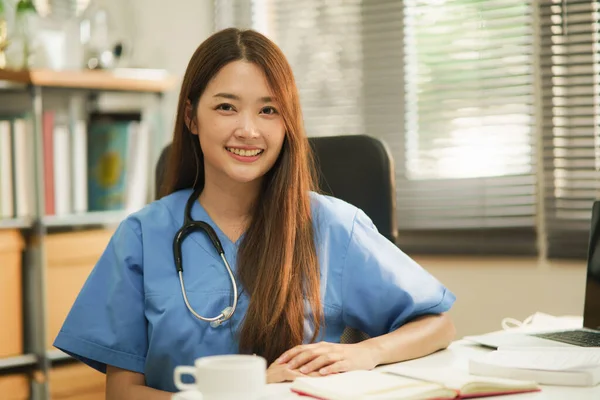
456, 356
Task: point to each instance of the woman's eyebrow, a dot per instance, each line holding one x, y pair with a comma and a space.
265, 99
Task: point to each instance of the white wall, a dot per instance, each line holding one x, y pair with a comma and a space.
489, 289
166, 34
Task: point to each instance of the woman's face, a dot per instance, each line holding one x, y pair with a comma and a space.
238, 123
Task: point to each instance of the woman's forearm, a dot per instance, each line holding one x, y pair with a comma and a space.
137, 392
415, 339
127, 385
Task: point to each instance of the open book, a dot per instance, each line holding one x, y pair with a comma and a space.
403, 383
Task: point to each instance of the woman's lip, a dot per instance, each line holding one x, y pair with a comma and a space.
243, 147
245, 159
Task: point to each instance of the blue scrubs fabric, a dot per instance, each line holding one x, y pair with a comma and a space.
131, 313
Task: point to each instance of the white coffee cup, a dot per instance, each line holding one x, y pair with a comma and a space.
227, 377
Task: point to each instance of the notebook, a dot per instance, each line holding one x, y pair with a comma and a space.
407, 384
552, 366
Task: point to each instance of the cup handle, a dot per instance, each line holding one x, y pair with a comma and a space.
181, 370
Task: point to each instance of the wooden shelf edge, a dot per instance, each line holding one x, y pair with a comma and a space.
16, 223
89, 218
133, 80
24, 360
57, 355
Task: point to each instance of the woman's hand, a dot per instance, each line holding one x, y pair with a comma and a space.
325, 358
277, 373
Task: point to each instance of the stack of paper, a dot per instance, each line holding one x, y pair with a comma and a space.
567, 366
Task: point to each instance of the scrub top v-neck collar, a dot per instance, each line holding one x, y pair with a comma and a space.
199, 213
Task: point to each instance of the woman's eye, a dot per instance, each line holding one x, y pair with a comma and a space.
225, 107
269, 110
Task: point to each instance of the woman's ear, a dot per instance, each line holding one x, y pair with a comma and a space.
188, 116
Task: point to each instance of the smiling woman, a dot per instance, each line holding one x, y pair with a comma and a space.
307, 265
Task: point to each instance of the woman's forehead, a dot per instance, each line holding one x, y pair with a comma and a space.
242, 81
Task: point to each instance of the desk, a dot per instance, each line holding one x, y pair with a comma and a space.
457, 356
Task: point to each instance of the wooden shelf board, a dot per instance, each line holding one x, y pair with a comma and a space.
17, 361
134, 80
15, 223
58, 355
89, 218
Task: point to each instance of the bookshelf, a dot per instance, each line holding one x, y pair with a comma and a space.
37, 359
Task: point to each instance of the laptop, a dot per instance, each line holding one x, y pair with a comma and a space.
589, 335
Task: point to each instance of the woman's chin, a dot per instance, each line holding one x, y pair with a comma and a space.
245, 178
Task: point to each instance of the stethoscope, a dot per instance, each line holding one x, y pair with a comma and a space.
189, 226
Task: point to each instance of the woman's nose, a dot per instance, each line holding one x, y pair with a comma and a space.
247, 127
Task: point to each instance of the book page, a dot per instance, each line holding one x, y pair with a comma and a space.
459, 380
362, 384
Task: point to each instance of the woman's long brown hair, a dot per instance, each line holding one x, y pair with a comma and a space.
277, 261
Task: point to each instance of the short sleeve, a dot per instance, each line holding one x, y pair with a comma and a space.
383, 288
106, 324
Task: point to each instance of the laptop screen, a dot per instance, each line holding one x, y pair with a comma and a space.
591, 313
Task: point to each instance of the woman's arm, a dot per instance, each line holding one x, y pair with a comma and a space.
126, 385
420, 337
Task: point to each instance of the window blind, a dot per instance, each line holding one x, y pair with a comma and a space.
570, 67
446, 84
467, 183
467, 94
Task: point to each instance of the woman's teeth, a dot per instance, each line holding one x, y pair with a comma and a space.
244, 153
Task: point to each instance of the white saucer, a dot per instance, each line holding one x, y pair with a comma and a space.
187, 395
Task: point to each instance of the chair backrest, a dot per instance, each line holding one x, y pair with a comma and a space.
360, 170
354, 168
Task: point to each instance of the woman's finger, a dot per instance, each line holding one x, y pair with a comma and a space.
320, 362
292, 374
291, 353
336, 367
294, 351
306, 356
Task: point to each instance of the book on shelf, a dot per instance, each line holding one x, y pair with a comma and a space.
16, 174
118, 162
22, 166
48, 151
66, 184
6, 171
407, 383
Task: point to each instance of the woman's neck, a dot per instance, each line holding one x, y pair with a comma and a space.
230, 205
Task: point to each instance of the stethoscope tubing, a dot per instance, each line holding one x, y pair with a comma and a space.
190, 225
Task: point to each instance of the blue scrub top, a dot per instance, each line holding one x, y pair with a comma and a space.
131, 314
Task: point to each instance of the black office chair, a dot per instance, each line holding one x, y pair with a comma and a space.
360, 170
355, 168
